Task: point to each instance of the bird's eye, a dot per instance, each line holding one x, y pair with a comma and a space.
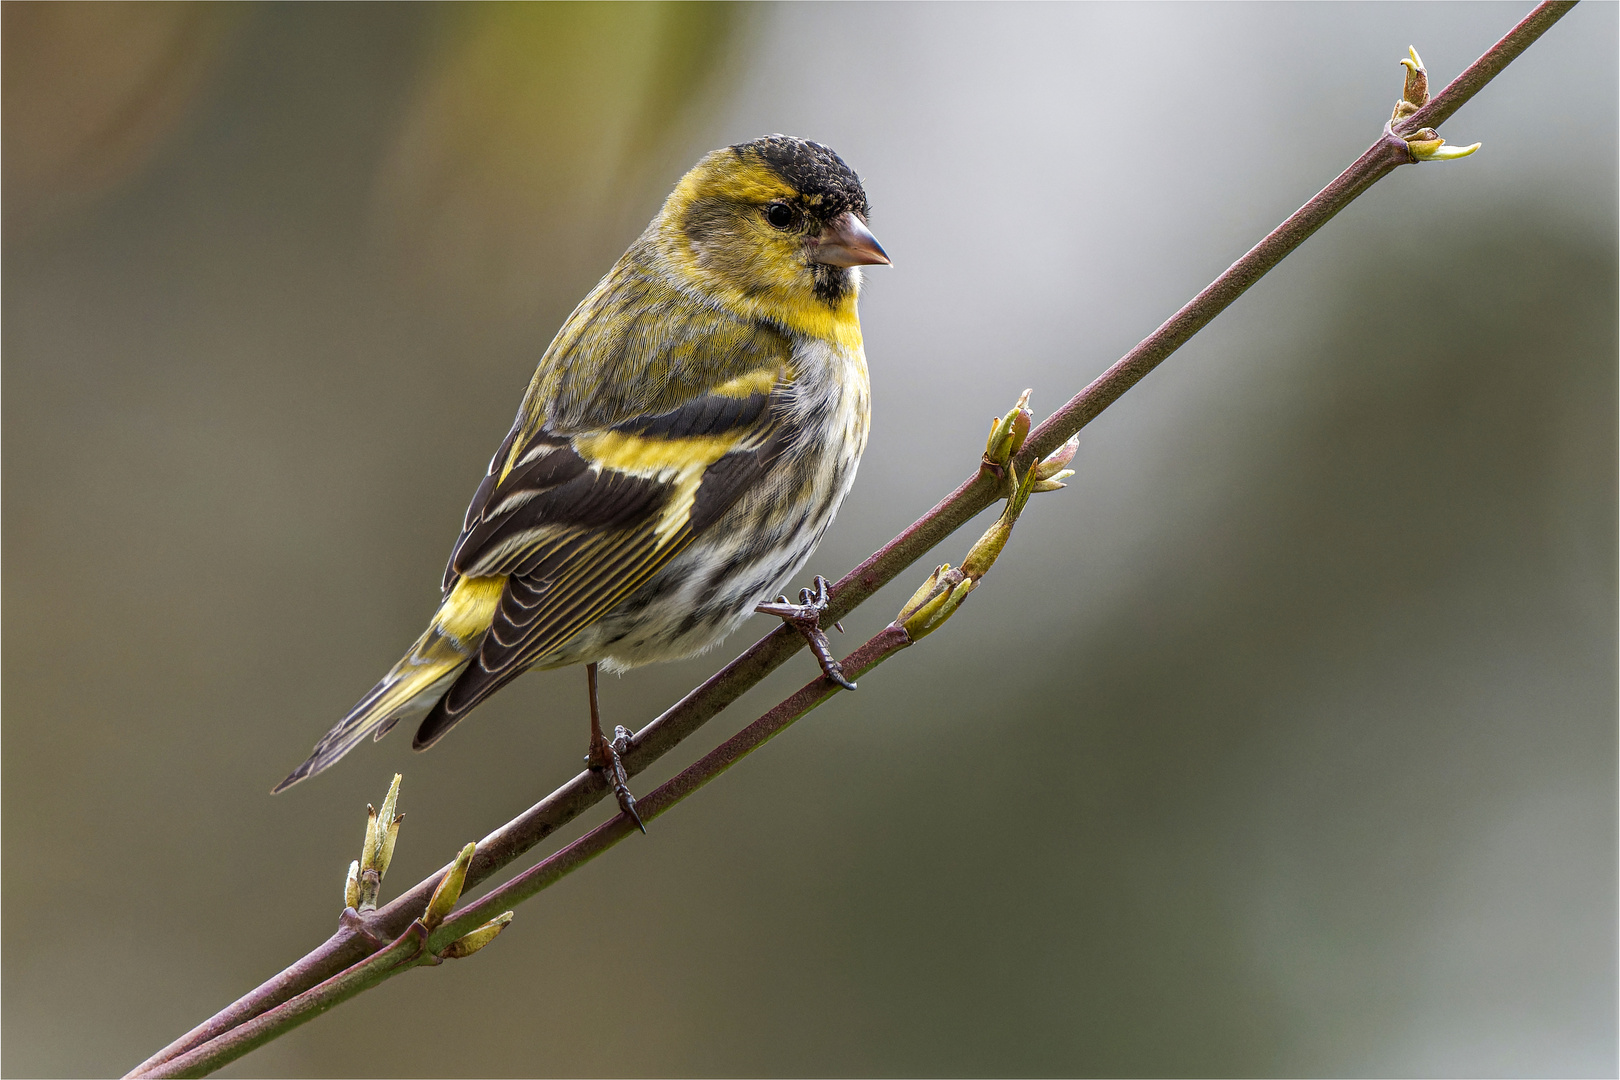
780, 215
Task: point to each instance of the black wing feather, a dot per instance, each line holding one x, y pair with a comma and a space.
575, 540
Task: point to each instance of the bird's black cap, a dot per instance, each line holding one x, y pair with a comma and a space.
814, 171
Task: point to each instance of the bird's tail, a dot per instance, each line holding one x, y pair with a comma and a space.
419, 680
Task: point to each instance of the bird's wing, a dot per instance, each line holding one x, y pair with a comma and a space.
577, 520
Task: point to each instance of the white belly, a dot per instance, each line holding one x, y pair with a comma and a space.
760, 544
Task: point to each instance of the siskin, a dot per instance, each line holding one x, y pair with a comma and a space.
681, 449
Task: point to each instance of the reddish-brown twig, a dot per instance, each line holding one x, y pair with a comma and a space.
221, 1039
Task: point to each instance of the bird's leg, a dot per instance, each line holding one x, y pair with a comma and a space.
805, 617
604, 754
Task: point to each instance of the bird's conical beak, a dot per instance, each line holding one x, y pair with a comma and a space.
847, 242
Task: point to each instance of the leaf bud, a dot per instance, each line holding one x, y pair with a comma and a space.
477, 939
929, 590
449, 888
1049, 466
932, 615
1416, 90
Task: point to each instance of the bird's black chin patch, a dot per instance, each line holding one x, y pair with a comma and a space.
832, 283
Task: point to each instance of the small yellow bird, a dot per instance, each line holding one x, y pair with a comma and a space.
683, 445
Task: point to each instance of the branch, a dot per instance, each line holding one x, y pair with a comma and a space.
441, 934
412, 948
307, 987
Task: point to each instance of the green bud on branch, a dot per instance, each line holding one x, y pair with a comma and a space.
945, 590
930, 589
948, 589
1050, 466
1416, 90
1425, 144
449, 888
1007, 434
1055, 483
477, 939
382, 832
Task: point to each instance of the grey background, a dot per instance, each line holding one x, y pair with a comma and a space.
1282, 742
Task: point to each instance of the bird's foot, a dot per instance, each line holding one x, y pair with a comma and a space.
805, 617
604, 758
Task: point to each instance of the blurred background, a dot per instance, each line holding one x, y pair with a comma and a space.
1283, 742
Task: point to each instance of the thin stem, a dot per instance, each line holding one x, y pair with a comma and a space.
890, 640
412, 947
1379, 160
972, 496
335, 954
406, 951
1443, 105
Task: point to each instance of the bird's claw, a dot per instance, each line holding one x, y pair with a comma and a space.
805, 617
605, 758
